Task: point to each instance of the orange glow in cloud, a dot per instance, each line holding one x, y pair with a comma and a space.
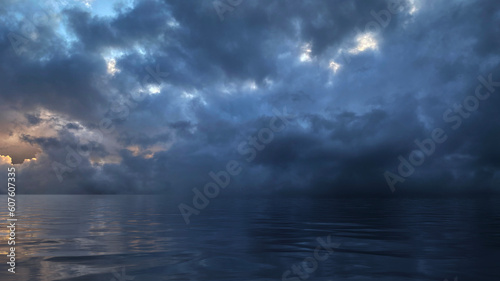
150, 151
5, 159
134, 149
29, 160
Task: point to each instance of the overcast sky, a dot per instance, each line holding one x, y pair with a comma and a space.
308, 97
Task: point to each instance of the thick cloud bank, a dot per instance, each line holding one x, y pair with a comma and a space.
293, 97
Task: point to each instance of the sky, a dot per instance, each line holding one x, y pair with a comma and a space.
260, 97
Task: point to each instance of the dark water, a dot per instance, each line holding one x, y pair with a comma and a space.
144, 237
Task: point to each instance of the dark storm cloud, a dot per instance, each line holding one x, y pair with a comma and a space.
144, 23
73, 126
224, 80
32, 119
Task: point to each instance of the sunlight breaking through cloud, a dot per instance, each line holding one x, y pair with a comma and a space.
334, 66
305, 56
365, 42
111, 67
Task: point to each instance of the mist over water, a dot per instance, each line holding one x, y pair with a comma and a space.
79, 237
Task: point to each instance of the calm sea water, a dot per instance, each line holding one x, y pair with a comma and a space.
144, 237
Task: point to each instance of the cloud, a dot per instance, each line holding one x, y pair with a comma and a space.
5, 159
359, 97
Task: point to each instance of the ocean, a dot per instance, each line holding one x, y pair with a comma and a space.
95, 237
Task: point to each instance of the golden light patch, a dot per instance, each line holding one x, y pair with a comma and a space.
365, 42
135, 149
149, 152
5, 159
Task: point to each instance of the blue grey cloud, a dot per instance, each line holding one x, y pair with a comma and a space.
155, 95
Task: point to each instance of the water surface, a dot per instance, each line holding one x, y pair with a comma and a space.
119, 237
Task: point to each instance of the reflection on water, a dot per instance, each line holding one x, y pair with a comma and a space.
117, 237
